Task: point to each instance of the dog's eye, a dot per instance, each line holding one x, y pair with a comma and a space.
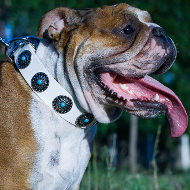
128, 30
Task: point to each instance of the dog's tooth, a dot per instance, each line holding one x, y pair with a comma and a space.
124, 86
130, 92
156, 97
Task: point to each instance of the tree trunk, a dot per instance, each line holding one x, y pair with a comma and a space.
133, 143
185, 153
113, 149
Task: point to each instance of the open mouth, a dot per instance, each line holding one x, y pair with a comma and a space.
145, 97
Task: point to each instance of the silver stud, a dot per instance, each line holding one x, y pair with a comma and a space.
24, 59
40, 82
62, 104
84, 120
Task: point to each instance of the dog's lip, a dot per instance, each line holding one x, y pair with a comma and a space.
149, 104
169, 59
146, 89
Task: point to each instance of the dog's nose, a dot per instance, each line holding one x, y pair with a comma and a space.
158, 32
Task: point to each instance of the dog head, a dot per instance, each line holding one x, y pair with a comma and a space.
109, 53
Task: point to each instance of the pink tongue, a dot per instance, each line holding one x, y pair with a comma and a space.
177, 115
144, 89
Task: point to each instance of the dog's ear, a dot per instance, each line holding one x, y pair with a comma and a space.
53, 22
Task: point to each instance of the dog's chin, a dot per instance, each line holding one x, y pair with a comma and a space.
104, 114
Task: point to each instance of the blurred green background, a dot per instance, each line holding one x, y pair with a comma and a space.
114, 171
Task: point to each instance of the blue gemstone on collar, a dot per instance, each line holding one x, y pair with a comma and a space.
62, 104
86, 120
39, 82
23, 58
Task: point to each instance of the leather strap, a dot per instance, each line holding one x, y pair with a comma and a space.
48, 89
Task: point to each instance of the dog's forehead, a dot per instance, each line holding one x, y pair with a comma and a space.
143, 16
118, 11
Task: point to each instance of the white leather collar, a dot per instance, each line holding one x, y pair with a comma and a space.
47, 88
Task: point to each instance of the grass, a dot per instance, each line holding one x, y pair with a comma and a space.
110, 179
101, 176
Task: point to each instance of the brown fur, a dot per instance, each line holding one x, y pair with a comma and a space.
17, 142
100, 28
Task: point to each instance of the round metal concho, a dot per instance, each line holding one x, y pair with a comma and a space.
84, 120
24, 59
40, 82
62, 104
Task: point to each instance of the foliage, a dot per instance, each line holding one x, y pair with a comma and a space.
100, 176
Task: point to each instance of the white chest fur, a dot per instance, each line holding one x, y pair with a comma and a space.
64, 150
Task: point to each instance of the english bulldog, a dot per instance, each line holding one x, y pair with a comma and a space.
103, 58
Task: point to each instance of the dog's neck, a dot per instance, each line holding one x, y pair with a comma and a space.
64, 149
54, 63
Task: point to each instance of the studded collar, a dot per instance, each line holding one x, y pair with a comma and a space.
23, 54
